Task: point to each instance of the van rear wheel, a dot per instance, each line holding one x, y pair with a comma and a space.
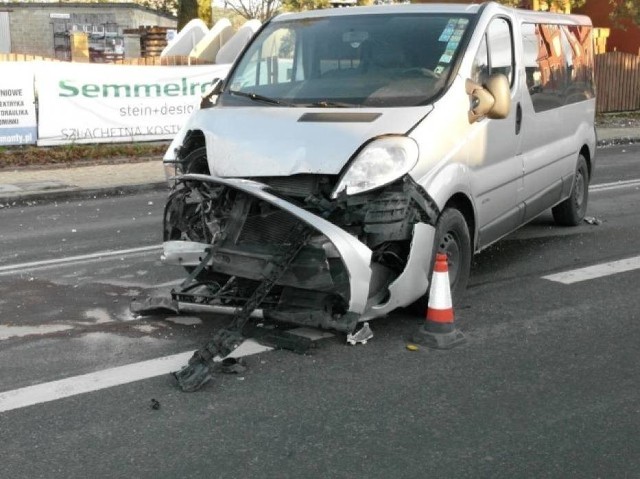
571, 211
451, 238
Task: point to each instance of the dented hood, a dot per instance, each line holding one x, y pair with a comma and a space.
277, 141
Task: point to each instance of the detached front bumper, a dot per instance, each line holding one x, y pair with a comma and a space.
240, 224
355, 256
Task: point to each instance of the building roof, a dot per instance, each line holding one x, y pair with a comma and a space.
59, 6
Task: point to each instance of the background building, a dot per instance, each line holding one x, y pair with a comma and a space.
623, 37
53, 29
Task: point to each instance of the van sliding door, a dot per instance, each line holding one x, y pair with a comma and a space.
552, 114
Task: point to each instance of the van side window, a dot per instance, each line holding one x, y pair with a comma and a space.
545, 65
558, 64
580, 47
495, 54
480, 68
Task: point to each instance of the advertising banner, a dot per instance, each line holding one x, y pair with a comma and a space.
93, 103
17, 105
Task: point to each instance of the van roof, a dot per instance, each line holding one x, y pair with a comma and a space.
451, 8
382, 9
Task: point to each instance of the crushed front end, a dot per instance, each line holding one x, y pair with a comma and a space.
358, 256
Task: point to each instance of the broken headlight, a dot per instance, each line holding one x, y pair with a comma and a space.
380, 162
171, 170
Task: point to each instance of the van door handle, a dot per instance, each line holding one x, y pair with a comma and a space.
518, 118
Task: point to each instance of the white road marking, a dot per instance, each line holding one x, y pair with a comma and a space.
63, 388
33, 265
7, 332
51, 391
175, 282
133, 284
184, 320
615, 185
595, 271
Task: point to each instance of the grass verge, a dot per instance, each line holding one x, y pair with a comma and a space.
75, 154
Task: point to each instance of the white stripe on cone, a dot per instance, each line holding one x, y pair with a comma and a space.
440, 293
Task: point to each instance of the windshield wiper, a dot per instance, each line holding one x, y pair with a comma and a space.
257, 97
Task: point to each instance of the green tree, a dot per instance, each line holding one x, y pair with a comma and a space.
249, 9
628, 9
204, 11
300, 5
183, 9
162, 6
187, 10
236, 20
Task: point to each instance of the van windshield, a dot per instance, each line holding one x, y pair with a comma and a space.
377, 60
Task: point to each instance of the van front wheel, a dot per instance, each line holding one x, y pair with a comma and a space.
451, 238
572, 210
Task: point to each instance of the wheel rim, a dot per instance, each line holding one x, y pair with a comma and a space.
449, 246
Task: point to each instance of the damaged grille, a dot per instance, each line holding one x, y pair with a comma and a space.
299, 186
271, 228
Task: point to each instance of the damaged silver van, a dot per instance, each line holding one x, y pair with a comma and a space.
347, 146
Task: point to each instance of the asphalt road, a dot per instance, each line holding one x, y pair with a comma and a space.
546, 386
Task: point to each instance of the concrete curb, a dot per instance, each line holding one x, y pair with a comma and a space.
26, 198
617, 142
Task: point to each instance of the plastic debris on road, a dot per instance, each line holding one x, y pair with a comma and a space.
230, 366
149, 306
361, 336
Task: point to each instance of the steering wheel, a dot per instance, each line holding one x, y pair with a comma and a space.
418, 71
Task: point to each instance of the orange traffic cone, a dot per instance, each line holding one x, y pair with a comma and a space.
439, 331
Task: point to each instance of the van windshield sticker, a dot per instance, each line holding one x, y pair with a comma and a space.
454, 30
449, 30
446, 35
452, 35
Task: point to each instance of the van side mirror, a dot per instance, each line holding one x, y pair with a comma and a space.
214, 90
493, 99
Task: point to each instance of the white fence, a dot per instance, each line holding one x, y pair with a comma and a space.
53, 103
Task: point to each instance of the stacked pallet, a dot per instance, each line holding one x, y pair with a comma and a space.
152, 40
161, 61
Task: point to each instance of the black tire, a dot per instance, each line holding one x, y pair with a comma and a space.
196, 162
452, 238
571, 211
